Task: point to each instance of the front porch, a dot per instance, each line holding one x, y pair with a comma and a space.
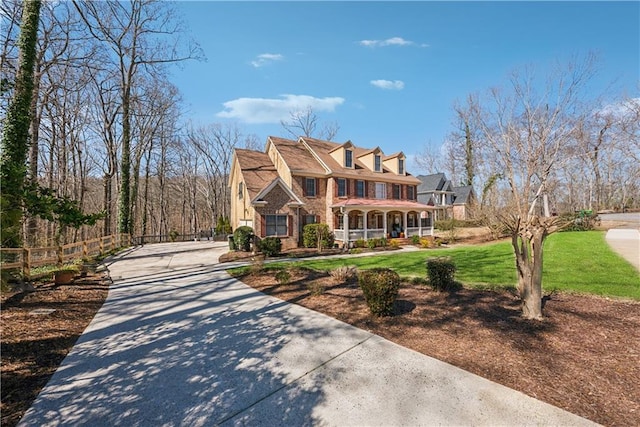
396, 219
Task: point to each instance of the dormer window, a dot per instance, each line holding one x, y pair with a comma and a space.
348, 158
377, 163
400, 166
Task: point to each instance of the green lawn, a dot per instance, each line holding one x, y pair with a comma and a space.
573, 261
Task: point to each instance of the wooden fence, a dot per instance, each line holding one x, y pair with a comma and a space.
27, 258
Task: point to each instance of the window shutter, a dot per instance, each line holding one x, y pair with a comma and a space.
366, 189
304, 187
317, 187
290, 224
263, 226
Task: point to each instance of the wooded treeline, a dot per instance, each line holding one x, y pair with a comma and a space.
598, 167
107, 127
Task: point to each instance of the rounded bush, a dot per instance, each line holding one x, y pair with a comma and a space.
380, 287
441, 271
271, 246
242, 237
310, 236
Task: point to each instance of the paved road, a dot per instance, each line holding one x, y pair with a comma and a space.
180, 343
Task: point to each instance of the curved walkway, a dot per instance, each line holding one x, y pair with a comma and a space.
179, 342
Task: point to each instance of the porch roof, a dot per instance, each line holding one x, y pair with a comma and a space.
382, 204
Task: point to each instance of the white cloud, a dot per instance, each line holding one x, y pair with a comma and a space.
273, 110
266, 58
393, 41
388, 84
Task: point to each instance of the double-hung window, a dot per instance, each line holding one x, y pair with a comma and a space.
377, 163
396, 191
276, 225
348, 158
310, 187
381, 190
342, 187
411, 192
400, 166
360, 188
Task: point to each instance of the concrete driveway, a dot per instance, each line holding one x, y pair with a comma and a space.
180, 343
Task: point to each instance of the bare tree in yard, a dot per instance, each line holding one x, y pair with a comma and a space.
528, 131
305, 123
214, 144
140, 36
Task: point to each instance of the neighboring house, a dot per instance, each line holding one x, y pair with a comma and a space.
360, 193
449, 201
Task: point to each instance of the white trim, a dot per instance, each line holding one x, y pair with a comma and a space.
278, 181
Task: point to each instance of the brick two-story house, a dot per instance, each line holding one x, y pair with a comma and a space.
360, 193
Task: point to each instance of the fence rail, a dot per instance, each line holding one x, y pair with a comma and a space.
27, 258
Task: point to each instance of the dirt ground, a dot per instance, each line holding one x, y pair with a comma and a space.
584, 357
34, 343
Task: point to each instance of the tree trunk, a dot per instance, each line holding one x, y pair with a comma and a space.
15, 137
528, 247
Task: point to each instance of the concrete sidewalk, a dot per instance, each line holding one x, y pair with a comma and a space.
180, 343
626, 242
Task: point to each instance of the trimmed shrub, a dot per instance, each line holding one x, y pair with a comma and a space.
270, 246
372, 243
360, 243
394, 243
380, 287
283, 277
310, 236
242, 237
415, 239
441, 271
382, 242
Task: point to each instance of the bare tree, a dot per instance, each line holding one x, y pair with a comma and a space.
305, 123
528, 135
140, 36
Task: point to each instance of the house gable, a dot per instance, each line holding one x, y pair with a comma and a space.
367, 158
396, 162
277, 186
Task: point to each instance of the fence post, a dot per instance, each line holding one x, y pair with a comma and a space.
60, 255
113, 242
85, 250
26, 263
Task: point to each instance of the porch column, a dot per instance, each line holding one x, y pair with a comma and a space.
345, 222
420, 223
404, 224
384, 223
364, 223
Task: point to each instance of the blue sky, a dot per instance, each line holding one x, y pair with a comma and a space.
387, 72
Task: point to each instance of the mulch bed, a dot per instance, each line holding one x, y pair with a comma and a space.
33, 345
583, 357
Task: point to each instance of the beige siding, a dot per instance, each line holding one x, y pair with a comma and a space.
241, 208
283, 170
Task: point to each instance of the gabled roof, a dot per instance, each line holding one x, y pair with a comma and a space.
296, 156
431, 183
257, 170
258, 199
463, 194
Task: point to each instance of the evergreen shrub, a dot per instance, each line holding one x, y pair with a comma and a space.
380, 287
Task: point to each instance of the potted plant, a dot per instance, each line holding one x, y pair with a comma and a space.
64, 276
